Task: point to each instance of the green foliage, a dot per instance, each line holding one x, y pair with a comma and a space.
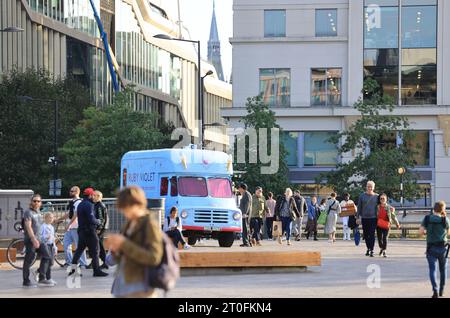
381, 163
92, 156
260, 116
27, 127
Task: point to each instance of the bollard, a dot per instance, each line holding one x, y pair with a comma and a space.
157, 206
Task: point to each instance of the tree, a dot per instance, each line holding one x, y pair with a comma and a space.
377, 158
27, 127
259, 116
93, 155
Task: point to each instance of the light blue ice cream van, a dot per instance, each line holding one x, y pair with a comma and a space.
198, 182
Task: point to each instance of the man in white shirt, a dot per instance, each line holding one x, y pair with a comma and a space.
71, 235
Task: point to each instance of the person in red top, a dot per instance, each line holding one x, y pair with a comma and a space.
385, 217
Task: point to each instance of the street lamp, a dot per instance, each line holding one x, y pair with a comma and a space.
12, 29
199, 79
202, 107
54, 159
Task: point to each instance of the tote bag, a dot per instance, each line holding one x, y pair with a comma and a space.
276, 229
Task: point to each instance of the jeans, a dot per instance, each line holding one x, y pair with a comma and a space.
87, 238
255, 227
245, 231
435, 255
102, 250
71, 237
286, 226
382, 236
30, 255
297, 227
176, 237
269, 226
369, 227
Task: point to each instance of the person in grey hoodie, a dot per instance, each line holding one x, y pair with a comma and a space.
245, 205
367, 216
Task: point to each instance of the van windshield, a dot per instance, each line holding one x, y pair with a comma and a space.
219, 188
192, 187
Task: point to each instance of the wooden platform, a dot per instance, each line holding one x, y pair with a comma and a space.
3, 258
249, 259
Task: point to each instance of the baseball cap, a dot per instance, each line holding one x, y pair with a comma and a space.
88, 191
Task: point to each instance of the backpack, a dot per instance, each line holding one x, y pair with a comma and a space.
165, 275
71, 208
427, 221
177, 219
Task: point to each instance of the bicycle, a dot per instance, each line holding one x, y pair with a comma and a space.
16, 249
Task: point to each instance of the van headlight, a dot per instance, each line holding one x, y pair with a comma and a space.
184, 214
237, 216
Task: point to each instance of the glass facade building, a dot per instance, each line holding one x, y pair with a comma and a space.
404, 65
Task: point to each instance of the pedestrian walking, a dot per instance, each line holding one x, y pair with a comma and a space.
436, 227
333, 208
385, 217
366, 215
173, 228
313, 215
139, 246
101, 214
70, 240
259, 208
87, 226
245, 205
345, 228
302, 207
286, 211
47, 240
270, 215
31, 223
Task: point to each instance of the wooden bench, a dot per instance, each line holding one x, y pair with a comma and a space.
268, 259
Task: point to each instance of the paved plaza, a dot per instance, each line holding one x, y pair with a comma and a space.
345, 272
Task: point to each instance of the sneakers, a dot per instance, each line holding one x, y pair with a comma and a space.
298, 238
100, 274
35, 274
381, 252
371, 254
186, 246
441, 293
53, 282
258, 243
46, 283
384, 254
288, 242
280, 240
367, 252
244, 245
435, 295
29, 284
316, 239
104, 266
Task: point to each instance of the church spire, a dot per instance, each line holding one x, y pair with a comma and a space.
214, 56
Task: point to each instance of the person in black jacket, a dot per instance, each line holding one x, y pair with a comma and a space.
101, 214
286, 211
87, 225
245, 205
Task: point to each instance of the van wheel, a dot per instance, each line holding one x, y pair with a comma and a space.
226, 239
192, 240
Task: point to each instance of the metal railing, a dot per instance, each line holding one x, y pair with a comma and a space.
59, 207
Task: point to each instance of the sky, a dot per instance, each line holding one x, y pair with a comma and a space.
196, 16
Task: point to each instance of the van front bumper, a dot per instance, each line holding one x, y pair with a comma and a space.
211, 229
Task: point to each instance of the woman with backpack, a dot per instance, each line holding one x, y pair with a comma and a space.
138, 247
385, 217
286, 211
436, 227
173, 228
333, 209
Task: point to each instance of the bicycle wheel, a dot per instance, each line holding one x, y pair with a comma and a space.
60, 256
16, 253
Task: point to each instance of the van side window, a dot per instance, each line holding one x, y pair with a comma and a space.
173, 187
164, 186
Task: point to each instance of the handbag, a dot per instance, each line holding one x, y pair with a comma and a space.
277, 229
383, 224
322, 218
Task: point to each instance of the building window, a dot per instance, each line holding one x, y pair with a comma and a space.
417, 75
274, 23
318, 151
420, 145
290, 142
274, 84
326, 22
326, 86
